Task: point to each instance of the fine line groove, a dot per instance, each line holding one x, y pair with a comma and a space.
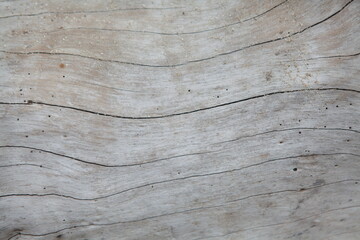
281, 223
284, 130
105, 165
197, 209
30, 102
87, 12
175, 156
176, 33
57, 154
23, 164
177, 179
190, 61
326, 57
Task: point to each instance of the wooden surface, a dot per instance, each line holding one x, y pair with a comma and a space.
179, 119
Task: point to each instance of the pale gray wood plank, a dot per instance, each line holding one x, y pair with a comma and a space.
179, 120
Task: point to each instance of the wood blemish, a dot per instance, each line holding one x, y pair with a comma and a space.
268, 76
319, 182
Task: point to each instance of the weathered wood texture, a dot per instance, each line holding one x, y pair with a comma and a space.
180, 119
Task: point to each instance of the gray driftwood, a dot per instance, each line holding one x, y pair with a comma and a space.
179, 119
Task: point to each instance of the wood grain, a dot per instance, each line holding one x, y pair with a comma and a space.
180, 119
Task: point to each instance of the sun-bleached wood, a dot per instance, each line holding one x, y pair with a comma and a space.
179, 120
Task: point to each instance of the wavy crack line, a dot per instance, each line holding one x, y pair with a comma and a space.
106, 165
284, 130
86, 12
199, 209
60, 155
175, 33
281, 223
176, 156
23, 164
326, 57
177, 179
191, 61
30, 102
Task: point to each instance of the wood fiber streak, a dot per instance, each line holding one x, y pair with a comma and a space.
179, 120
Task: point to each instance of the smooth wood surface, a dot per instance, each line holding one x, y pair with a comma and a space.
178, 119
